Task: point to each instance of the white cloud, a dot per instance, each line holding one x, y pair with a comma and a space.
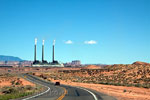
68, 42
90, 42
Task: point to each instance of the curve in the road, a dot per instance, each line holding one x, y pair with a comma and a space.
90, 93
52, 92
48, 89
65, 92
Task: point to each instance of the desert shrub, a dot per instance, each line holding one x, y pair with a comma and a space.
33, 73
14, 95
18, 78
17, 83
117, 84
124, 90
29, 87
146, 86
8, 90
138, 85
17, 92
13, 82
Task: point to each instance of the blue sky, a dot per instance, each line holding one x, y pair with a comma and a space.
98, 31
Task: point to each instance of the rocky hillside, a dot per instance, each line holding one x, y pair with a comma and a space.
126, 75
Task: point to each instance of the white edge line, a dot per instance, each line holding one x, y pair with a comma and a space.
89, 92
37, 94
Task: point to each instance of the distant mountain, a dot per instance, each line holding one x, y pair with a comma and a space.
9, 58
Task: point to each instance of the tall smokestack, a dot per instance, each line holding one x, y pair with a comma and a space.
53, 50
35, 49
43, 51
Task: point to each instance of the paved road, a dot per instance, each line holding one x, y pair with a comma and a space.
52, 94
65, 92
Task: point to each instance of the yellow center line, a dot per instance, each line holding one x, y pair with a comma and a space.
63, 95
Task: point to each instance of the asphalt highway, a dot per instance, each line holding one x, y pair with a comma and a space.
64, 92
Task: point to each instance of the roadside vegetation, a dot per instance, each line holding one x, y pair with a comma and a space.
12, 87
8, 93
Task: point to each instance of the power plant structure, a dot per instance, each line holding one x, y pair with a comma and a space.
44, 63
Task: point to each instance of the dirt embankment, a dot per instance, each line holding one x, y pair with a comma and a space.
8, 80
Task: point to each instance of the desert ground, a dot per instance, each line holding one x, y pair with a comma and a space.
8, 79
13, 86
125, 82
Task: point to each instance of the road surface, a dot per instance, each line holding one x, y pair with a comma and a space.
64, 92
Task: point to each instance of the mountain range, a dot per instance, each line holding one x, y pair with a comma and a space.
9, 58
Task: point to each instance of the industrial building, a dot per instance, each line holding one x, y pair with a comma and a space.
44, 63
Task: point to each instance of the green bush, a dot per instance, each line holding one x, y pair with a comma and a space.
124, 90
17, 83
13, 82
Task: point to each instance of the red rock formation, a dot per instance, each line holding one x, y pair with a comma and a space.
141, 63
92, 67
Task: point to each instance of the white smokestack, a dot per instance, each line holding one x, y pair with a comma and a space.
43, 42
35, 41
54, 42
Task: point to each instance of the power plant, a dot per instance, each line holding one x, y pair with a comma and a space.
44, 63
